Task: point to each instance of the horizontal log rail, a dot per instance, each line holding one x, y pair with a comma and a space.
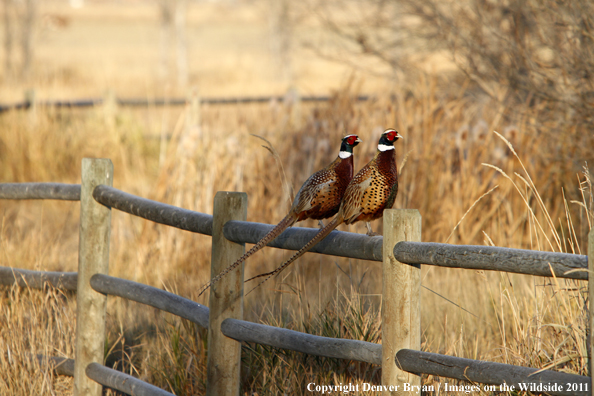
123, 382
408, 360
491, 373
60, 365
227, 101
157, 212
474, 371
37, 279
60, 191
277, 337
136, 102
151, 296
338, 243
239, 330
105, 376
530, 262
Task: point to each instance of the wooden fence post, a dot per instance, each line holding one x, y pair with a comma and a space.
590, 342
93, 258
226, 297
401, 301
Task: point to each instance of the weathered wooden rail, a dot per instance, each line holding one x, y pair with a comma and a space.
519, 261
60, 191
338, 243
481, 372
399, 356
122, 382
37, 279
137, 102
240, 330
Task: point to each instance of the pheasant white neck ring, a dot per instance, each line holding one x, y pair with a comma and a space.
384, 147
344, 154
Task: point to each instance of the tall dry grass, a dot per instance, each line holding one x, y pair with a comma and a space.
35, 322
468, 184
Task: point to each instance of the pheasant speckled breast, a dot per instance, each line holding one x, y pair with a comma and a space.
319, 198
321, 195
372, 190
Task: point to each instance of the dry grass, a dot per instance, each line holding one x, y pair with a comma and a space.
35, 322
468, 184
519, 319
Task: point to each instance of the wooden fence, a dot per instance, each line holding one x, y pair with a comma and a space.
400, 250
31, 103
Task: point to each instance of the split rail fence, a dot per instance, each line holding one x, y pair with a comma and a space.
30, 102
399, 249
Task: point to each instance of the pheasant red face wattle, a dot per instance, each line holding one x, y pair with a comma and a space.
352, 140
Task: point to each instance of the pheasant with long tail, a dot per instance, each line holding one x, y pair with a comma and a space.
373, 189
319, 198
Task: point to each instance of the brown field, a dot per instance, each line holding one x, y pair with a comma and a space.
467, 183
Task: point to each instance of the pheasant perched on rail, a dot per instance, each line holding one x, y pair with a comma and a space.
373, 189
319, 198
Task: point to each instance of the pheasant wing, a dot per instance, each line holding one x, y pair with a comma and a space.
316, 191
352, 206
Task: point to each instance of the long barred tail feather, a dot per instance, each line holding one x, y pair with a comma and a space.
319, 236
285, 223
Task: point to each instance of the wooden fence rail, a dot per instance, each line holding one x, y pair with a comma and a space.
240, 330
137, 102
110, 378
478, 371
60, 191
123, 382
61, 366
338, 243
408, 360
151, 296
37, 279
157, 212
531, 262
277, 337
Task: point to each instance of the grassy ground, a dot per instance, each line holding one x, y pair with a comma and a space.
469, 186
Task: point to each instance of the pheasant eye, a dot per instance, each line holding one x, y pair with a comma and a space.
351, 140
391, 135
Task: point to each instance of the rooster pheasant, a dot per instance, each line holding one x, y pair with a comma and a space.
319, 198
373, 189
